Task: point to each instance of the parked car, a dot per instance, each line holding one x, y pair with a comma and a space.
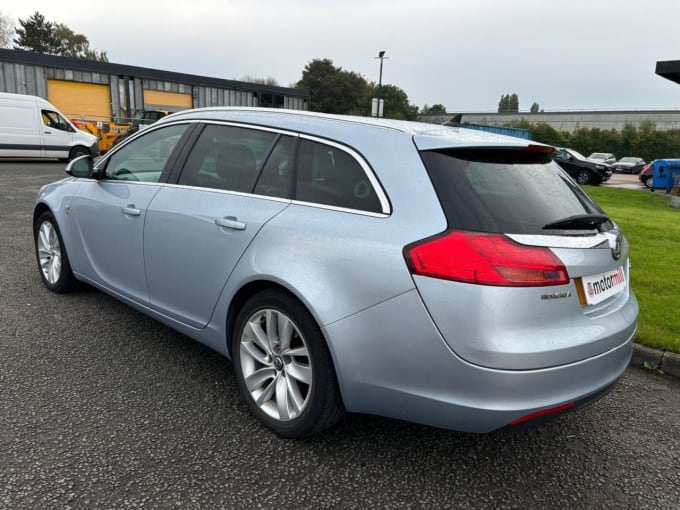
582, 169
440, 275
603, 157
629, 165
646, 175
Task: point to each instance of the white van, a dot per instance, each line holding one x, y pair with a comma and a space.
30, 127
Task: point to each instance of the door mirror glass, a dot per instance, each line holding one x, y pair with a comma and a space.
80, 167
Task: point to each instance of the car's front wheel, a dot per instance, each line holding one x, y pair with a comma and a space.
283, 366
53, 263
584, 176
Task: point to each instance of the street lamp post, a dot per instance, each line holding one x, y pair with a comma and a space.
378, 109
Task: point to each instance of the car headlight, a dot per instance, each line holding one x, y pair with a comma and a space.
599, 167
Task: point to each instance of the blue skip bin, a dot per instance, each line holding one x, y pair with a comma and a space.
665, 171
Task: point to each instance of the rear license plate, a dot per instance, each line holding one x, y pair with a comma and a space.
599, 287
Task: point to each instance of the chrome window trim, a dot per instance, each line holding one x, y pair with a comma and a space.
227, 192
340, 209
275, 199
368, 171
386, 209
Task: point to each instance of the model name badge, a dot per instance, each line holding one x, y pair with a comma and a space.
556, 295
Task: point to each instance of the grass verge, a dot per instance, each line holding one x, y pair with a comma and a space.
652, 228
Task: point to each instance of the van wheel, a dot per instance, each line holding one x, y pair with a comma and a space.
76, 152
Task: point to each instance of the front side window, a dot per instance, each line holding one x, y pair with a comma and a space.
330, 176
54, 120
227, 158
144, 158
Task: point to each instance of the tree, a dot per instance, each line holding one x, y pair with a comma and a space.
334, 90
51, 38
508, 103
37, 35
269, 80
6, 31
535, 108
435, 109
396, 104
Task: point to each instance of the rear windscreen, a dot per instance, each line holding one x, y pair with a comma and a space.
503, 190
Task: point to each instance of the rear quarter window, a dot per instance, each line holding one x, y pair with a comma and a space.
503, 190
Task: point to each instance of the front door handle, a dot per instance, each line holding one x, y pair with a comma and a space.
131, 210
230, 222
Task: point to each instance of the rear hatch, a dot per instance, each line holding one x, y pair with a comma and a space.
530, 273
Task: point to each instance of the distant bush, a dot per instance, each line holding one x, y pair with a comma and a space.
643, 141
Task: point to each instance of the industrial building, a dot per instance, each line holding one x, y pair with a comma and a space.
104, 91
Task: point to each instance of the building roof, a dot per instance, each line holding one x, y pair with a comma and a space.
94, 66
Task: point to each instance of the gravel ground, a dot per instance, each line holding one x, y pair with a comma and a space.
101, 407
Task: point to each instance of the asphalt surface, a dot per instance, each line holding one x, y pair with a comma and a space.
101, 407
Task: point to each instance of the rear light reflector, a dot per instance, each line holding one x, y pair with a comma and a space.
544, 412
485, 259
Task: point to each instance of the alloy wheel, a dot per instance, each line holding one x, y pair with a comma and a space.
276, 364
49, 252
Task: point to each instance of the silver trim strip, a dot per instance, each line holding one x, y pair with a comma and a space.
564, 241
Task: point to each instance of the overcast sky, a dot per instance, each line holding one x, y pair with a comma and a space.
562, 54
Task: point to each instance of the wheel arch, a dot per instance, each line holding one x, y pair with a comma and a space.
251, 288
248, 290
38, 210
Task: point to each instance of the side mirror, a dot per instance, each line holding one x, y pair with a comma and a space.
81, 166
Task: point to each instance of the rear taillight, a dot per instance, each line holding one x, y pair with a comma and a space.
485, 259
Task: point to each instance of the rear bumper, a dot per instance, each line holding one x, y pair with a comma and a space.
392, 361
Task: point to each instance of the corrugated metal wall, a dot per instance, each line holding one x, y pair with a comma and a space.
23, 79
208, 96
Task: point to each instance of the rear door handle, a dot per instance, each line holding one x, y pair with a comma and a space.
131, 210
230, 222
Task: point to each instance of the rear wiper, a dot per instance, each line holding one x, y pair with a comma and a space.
578, 222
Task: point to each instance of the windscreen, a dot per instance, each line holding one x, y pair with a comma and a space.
504, 190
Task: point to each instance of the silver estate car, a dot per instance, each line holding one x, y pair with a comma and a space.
434, 274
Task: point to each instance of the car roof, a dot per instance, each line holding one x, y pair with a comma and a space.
425, 136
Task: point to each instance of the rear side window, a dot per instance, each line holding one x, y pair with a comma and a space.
227, 157
503, 190
330, 176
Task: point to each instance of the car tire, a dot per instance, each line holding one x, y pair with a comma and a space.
584, 176
283, 367
649, 183
53, 263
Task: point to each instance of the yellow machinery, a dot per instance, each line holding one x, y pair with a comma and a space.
110, 133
